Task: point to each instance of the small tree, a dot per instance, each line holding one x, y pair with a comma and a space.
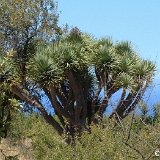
74, 72
23, 24
8, 104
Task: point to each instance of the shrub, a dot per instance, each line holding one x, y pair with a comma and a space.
108, 142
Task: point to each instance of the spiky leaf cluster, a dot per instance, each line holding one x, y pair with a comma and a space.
121, 62
51, 62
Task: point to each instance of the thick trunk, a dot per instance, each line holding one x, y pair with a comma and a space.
94, 101
81, 106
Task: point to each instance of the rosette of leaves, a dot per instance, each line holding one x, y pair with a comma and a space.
43, 69
145, 69
105, 58
73, 52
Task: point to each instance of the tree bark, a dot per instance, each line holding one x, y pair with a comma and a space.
79, 98
34, 102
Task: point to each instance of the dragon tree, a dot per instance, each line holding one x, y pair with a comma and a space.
78, 75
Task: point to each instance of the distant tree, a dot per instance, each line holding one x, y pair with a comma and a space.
73, 73
23, 24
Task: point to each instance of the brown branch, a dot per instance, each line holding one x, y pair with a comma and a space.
130, 128
128, 137
119, 103
126, 103
121, 99
57, 107
132, 147
104, 103
95, 99
61, 119
153, 151
70, 102
79, 97
34, 102
61, 97
119, 121
136, 100
49, 96
3, 149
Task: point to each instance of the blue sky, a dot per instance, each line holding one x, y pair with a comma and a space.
137, 21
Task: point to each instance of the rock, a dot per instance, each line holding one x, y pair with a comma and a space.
2, 157
27, 142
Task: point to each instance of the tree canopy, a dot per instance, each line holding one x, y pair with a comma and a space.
75, 72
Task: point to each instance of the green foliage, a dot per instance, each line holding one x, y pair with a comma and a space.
156, 116
8, 104
8, 109
51, 62
118, 60
104, 58
22, 20
72, 70
125, 80
145, 68
69, 71
103, 143
42, 69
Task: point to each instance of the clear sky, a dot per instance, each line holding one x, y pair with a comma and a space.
137, 21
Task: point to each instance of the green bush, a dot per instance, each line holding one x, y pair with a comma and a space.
107, 142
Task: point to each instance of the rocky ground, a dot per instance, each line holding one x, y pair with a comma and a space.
21, 150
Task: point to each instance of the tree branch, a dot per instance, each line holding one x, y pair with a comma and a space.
34, 102
136, 100
56, 105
